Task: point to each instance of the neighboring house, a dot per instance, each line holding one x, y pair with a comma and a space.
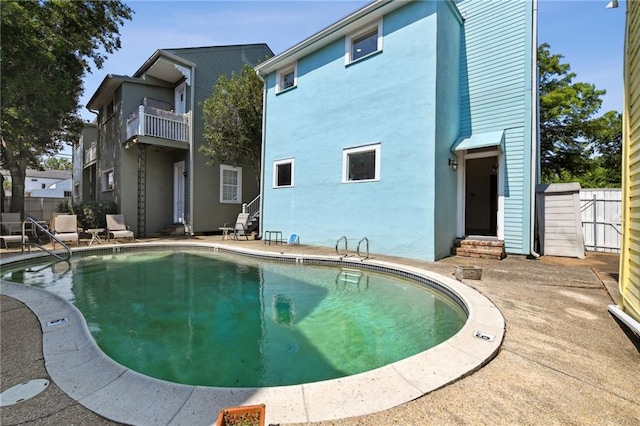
45, 183
629, 280
410, 123
142, 150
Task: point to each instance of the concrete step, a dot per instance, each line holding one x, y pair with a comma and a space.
482, 248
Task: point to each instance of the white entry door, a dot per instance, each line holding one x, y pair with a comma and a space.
181, 99
178, 192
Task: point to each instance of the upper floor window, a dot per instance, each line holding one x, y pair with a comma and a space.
361, 164
287, 78
108, 111
364, 43
230, 184
283, 173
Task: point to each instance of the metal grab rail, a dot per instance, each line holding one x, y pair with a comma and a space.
52, 236
346, 250
358, 249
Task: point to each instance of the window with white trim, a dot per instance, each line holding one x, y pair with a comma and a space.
364, 43
287, 78
361, 164
283, 173
108, 182
230, 184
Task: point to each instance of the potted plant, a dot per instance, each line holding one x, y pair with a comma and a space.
244, 415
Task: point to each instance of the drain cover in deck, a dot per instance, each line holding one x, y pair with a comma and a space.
22, 392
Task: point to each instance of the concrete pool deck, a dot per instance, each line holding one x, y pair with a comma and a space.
564, 359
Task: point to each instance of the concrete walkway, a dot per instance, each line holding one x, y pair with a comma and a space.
564, 359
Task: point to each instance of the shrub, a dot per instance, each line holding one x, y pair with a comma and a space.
92, 214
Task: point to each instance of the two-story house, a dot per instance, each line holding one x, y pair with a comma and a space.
142, 150
411, 123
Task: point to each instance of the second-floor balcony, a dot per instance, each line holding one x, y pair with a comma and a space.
165, 127
90, 155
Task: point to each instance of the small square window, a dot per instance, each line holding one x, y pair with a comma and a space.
361, 164
364, 43
287, 78
108, 182
230, 184
283, 173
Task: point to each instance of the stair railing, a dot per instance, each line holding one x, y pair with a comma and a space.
252, 207
51, 235
346, 250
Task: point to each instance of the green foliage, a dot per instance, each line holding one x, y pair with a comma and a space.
92, 214
57, 163
575, 145
64, 207
233, 121
47, 46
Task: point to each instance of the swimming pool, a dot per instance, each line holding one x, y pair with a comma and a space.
81, 369
213, 319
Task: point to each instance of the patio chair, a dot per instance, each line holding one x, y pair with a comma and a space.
11, 230
12, 225
66, 229
239, 228
293, 239
116, 228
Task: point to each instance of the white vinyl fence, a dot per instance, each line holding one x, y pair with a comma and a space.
601, 223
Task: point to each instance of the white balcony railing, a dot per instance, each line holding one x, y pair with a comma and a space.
90, 155
148, 121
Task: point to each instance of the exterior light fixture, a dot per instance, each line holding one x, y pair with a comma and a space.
453, 164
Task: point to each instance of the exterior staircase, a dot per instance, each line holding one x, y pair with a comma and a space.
479, 247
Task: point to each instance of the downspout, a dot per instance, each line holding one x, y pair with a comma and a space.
262, 159
191, 170
535, 129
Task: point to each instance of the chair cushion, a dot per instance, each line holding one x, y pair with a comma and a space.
121, 234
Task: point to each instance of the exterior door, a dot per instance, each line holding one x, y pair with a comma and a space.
181, 99
481, 196
178, 192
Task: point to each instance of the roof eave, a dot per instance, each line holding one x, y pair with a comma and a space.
339, 29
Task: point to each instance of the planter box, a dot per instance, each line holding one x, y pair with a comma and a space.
468, 273
244, 415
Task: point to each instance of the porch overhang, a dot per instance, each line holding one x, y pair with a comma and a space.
166, 144
480, 140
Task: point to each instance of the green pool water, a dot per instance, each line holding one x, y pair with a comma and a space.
210, 319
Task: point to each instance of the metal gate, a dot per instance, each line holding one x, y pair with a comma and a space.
601, 223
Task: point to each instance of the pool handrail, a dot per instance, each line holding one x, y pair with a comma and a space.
51, 235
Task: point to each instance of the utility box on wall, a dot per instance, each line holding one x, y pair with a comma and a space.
559, 220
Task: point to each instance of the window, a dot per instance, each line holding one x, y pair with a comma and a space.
67, 193
108, 182
361, 164
287, 78
108, 111
283, 173
76, 190
43, 185
230, 184
364, 43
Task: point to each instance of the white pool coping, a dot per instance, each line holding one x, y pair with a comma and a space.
79, 367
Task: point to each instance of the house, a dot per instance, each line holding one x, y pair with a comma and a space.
629, 281
410, 123
44, 183
142, 150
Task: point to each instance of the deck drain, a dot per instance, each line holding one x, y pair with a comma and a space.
57, 321
483, 336
22, 392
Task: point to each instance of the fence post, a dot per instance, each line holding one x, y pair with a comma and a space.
595, 223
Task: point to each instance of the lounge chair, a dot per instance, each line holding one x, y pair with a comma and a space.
117, 229
239, 228
66, 229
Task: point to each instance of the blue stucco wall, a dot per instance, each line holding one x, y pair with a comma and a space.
388, 98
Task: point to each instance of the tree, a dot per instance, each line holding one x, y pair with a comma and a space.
233, 121
566, 124
57, 163
47, 46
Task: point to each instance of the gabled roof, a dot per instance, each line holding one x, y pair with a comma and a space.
43, 174
363, 16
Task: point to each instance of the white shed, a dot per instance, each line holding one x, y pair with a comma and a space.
559, 220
